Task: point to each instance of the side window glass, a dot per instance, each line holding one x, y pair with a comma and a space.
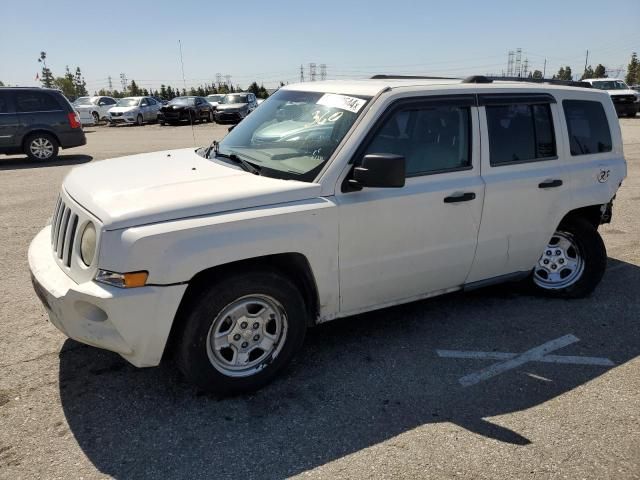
4, 104
35, 102
432, 139
520, 133
588, 127
144, 102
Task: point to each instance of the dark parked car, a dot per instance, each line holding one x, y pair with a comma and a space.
191, 109
37, 122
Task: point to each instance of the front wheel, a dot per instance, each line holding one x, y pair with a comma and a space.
573, 263
241, 332
139, 120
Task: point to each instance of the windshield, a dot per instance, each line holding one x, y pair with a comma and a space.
611, 85
293, 134
214, 98
128, 102
234, 99
85, 101
183, 101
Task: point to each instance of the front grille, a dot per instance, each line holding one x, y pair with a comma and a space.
63, 231
116, 114
623, 98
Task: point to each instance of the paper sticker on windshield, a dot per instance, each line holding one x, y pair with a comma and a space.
344, 102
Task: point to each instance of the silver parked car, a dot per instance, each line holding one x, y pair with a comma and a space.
135, 110
235, 106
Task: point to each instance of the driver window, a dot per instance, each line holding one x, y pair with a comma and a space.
144, 102
432, 138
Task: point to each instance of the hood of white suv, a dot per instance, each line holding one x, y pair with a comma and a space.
160, 186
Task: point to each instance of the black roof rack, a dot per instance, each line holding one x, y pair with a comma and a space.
410, 77
550, 81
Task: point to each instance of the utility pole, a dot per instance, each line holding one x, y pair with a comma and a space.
544, 69
586, 61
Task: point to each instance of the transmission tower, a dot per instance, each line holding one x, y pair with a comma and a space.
227, 77
510, 64
123, 82
219, 79
301, 73
110, 84
312, 72
525, 67
518, 64
323, 71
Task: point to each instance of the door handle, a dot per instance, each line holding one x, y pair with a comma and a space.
464, 197
550, 184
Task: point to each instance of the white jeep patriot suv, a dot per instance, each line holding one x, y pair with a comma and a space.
332, 198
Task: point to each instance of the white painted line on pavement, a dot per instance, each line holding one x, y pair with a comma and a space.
514, 360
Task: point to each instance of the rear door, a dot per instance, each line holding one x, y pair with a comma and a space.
527, 182
8, 123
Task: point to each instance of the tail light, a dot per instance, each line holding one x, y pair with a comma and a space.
74, 120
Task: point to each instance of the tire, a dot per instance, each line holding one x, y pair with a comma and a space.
210, 117
581, 245
139, 120
41, 147
261, 294
96, 118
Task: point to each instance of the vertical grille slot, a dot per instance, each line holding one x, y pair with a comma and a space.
56, 226
70, 236
54, 219
63, 231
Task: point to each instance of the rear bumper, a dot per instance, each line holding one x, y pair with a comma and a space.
132, 322
74, 138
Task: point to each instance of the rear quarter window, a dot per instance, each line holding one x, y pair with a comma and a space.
588, 127
34, 101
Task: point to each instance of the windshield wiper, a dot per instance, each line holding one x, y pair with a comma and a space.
215, 146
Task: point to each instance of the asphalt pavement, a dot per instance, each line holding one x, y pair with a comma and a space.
398, 393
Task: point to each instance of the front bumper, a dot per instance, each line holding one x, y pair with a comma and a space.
132, 322
626, 108
222, 116
122, 119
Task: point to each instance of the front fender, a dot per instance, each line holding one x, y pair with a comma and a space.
175, 251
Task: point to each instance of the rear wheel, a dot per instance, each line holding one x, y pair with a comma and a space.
241, 332
573, 263
96, 118
139, 120
41, 147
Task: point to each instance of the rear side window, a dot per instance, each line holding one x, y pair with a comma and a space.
4, 104
588, 127
520, 133
35, 102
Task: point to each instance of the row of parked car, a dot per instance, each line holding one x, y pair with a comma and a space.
232, 107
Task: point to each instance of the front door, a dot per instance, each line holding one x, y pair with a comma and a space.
401, 244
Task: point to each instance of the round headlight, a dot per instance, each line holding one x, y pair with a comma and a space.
88, 244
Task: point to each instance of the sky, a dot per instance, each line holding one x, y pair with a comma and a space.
267, 41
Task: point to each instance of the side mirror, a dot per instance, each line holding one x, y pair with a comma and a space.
379, 170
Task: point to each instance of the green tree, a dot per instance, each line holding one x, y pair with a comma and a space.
47, 77
1, 83
564, 73
254, 88
145, 92
537, 74
600, 71
163, 91
134, 90
588, 73
66, 84
633, 70
80, 84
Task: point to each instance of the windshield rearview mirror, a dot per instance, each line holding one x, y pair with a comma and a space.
380, 170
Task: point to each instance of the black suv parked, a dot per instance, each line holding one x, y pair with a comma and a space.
37, 122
